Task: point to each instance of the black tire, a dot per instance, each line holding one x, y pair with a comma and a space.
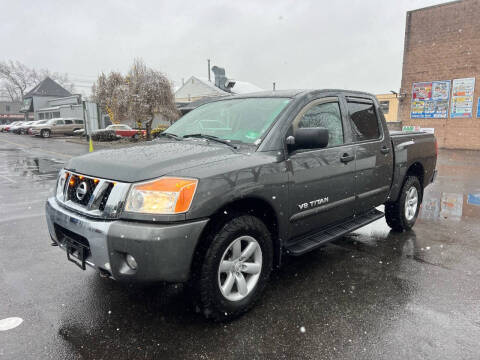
213, 303
135, 137
23, 131
395, 212
45, 133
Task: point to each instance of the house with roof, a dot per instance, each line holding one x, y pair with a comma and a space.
45, 98
196, 87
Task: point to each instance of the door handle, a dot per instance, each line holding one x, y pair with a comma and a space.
384, 150
346, 158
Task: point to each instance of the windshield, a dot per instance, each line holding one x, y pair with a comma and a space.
244, 120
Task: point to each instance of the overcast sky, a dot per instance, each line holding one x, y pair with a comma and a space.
298, 44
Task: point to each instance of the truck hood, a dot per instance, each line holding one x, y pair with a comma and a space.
138, 163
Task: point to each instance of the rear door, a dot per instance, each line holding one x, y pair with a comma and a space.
321, 187
373, 153
69, 126
58, 127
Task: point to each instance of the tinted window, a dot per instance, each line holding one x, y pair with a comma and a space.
68, 121
363, 120
78, 121
325, 115
59, 122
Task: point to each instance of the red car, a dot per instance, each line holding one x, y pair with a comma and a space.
126, 131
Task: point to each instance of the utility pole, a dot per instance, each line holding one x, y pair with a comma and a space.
208, 61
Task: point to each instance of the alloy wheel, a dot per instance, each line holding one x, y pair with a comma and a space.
411, 203
240, 267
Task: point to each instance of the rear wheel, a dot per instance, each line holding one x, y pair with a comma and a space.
136, 137
402, 214
45, 133
236, 268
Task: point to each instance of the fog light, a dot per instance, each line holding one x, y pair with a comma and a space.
131, 262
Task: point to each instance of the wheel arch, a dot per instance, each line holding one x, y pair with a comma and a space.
417, 170
254, 206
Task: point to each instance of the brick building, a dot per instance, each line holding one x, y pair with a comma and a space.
441, 73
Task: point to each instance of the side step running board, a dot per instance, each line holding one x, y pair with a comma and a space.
313, 241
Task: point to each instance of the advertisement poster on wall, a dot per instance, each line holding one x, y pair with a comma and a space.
478, 108
462, 98
430, 100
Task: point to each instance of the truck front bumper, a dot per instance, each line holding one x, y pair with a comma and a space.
163, 252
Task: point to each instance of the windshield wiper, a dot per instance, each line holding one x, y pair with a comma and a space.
170, 135
210, 137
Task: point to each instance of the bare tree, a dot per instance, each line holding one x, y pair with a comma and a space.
111, 94
149, 93
16, 78
137, 97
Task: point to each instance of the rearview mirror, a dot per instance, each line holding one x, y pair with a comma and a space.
309, 138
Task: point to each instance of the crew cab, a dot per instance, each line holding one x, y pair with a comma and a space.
234, 186
126, 131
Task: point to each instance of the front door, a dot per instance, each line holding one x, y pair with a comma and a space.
373, 153
321, 188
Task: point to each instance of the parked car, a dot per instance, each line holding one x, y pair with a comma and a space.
233, 186
16, 128
62, 126
38, 123
3, 127
126, 131
7, 127
23, 129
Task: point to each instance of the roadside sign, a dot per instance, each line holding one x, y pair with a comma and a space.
428, 130
473, 199
410, 128
418, 128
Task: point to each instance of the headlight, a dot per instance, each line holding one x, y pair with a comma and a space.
166, 195
62, 178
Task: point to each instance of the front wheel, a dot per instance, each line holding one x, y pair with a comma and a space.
236, 268
402, 214
45, 133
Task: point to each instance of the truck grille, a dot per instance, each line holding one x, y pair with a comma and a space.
91, 196
80, 189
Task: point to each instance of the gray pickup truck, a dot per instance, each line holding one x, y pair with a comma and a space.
236, 184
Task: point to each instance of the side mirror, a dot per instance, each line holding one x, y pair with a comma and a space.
309, 138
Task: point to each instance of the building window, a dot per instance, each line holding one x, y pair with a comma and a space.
7, 108
41, 116
385, 106
55, 114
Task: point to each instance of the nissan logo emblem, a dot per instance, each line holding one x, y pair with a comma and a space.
82, 189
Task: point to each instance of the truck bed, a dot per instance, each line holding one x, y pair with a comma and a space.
416, 148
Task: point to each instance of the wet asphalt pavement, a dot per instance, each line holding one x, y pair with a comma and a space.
373, 294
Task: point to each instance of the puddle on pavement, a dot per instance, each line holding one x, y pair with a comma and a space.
34, 168
448, 205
